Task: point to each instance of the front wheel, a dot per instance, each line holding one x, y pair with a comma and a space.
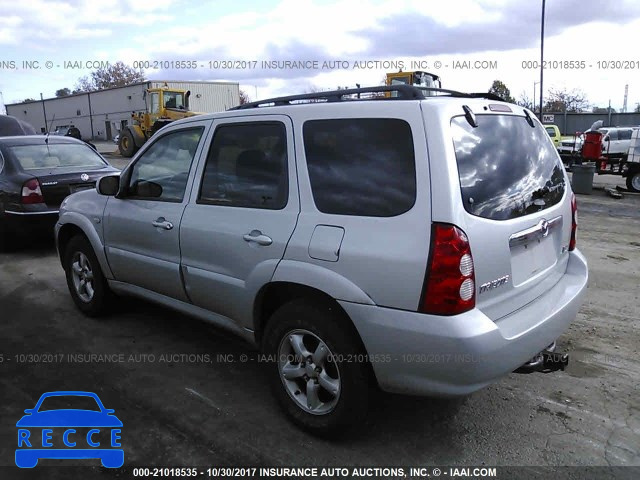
633, 180
87, 284
318, 369
127, 145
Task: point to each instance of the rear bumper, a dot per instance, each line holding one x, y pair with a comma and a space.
421, 354
28, 221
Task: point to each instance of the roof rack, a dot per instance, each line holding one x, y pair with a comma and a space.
404, 92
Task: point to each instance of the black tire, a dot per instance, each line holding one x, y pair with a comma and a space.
633, 180
127, 144
98, 303
4, 240
158, 124
336, 331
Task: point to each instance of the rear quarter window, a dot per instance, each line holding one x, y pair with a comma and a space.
361, 166
507, 169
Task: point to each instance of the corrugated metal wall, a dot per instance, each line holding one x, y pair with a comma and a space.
100, 115
579, 122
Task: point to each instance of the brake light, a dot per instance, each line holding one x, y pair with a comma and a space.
31, 192
574, 222
450, 284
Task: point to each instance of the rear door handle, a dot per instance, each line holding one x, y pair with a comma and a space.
256, 236
162, 223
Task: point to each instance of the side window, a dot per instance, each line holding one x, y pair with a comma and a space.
247, 167
551, 131
161, 172
613, 135
361, 166
154, 103
624, 134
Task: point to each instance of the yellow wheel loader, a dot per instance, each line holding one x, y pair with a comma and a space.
416, 79
164, 105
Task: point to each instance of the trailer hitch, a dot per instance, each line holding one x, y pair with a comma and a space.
547, 361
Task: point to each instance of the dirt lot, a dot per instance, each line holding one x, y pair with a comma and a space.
186, 412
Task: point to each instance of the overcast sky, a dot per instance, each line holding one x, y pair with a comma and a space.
504, 32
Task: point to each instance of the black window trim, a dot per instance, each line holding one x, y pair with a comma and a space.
124, 193
227, 123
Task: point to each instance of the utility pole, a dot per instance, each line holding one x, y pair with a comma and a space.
44, 112
541, 57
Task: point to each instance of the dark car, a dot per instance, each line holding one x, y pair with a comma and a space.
36, 174
10, 126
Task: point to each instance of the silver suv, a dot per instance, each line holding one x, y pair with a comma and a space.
422, 244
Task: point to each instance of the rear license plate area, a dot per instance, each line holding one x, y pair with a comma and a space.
532, 258
81, 187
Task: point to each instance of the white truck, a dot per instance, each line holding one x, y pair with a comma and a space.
633, 162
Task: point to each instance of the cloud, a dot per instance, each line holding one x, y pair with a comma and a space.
34, 22
517, 26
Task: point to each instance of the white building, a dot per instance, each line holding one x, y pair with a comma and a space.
101, 114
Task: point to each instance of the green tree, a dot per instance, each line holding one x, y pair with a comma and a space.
63, 92
113, 75
500, 89
28, 100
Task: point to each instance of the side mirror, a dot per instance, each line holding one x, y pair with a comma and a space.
109, 411
607, 139
109, 185
29, 411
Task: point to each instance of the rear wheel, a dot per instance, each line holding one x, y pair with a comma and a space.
87, 284
633, 180
318, 371
3, 236
127, 144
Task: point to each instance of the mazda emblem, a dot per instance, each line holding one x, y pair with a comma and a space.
544, 227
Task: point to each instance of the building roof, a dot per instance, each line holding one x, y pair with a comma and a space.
146, 82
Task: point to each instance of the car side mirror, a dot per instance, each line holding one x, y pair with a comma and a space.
108, 185
29, 411
607, 139
109, 411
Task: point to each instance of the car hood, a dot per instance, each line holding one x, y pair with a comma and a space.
69, 418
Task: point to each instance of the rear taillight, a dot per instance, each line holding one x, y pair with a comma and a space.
31, 192
450, 284
574, 222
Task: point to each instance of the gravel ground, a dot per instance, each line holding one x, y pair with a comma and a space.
194, 413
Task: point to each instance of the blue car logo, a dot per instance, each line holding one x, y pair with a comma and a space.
54, 430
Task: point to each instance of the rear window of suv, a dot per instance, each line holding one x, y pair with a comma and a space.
507, 168
361, 166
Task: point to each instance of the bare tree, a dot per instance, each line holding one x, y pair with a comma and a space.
524, 101
565, 100
603, 110
244, 97
115, 75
